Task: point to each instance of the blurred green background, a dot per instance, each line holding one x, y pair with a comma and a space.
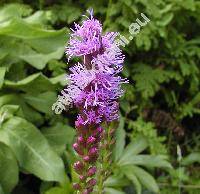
157, 141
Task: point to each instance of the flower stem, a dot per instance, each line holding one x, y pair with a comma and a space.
104, 159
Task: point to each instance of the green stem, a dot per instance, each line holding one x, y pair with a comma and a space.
103, 161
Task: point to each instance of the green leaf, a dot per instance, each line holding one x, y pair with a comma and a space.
59, 79
59, 135
129, 174
41, 102
144, 177
189, 4
113, 191
36, 45
166, 19
138, 145
56, 190
148, 80
39, 60
1, 190
32, 150
191, 158
116, 181
8, 168
35, 83
158, 161
14, 10
7, 111
2, 74
18, 28
120, 140
26, 111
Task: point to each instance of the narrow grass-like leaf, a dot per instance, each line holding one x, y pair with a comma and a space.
159, 161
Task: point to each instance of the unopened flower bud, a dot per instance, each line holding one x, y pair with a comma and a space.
91, 140
78, 167
98, 131
76, 186
93, 152
78, 149
91, 171
92, 182
86, 158
88, 191
80, 139
82, 178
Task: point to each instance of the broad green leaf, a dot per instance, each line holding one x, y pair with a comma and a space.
191, 158
30, 113
32, 150
45, 186
144, 177
39, 60
120, 140
36, 45
25, 110
35, 83
38, 18
14, 10
59, 135
40, 39
7, 111
159, 161
41, 102
7, 98
18, 28
8, 169
59, 79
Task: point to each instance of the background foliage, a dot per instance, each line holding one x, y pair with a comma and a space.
157, 141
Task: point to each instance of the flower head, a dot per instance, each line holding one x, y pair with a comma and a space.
86, 38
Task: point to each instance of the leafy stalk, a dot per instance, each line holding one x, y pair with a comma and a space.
105, 158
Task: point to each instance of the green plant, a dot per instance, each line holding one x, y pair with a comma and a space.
130, 164
163, 70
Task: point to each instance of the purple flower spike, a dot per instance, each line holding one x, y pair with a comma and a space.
94, 88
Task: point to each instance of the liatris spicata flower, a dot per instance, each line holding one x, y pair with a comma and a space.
94, 89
